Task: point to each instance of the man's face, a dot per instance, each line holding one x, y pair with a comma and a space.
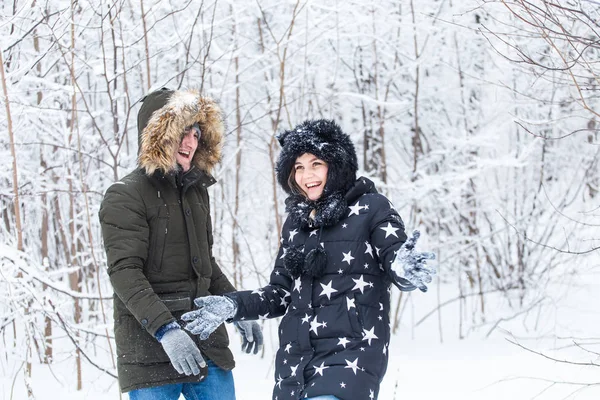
187, 148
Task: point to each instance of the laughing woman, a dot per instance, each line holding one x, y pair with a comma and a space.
342, 247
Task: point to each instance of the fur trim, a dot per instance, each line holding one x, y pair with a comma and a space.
162, 135
328, 210
313, 264
294, 260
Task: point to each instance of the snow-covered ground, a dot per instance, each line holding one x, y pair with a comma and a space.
422, 367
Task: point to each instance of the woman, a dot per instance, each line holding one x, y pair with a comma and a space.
342, 246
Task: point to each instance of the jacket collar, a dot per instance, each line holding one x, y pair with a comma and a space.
329, 210
177, 179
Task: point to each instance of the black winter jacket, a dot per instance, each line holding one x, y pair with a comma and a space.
335, 330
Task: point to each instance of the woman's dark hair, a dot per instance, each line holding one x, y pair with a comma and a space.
294, 187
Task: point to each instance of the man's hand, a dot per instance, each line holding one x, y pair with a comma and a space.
183, 352
412, 265
252, 336
212, 311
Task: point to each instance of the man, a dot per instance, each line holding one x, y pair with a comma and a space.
157, 233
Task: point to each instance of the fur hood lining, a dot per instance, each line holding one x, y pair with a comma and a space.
162, 135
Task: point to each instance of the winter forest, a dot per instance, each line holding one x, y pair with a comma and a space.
478, 119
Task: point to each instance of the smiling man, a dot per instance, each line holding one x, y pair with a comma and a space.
158, 238
188, 146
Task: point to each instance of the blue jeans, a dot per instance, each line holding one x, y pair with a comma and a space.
325, 397
218, 385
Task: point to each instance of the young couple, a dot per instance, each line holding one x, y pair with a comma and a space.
343, 245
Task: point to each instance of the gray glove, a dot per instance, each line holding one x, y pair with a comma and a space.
412, 265
182, 351
211, 313
252, 336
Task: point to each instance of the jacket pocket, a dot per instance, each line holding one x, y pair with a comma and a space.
158, 240
355, 319
177, 302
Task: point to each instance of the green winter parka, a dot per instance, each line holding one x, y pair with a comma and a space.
157, 233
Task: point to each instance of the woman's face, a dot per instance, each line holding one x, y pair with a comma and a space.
310, 174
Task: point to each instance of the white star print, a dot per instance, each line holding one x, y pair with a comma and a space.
380, 306
279, 379
347, 257
350, 302
313, 232
294, 368
288, 347
360, 284
327, 290
390, 230
258, 292
283, 254
283, 302
366, 265
343, 385
353, 365
314, 325
355, 209
306, 318
319, 370
371, 394
264, 316
344, 225
297, 284
343, 341
369, 249
340, 271
369, 335
294, 233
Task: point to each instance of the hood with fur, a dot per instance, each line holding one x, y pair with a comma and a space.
162, 119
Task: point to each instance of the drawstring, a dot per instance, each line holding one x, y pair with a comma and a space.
319, 239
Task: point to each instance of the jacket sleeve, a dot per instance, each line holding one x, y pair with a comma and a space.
126, 237
386, 237
270, 301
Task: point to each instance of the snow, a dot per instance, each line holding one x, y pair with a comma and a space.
477, 367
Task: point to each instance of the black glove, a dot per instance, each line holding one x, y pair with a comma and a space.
252, 336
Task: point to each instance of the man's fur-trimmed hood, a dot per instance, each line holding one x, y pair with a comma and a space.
162, 119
